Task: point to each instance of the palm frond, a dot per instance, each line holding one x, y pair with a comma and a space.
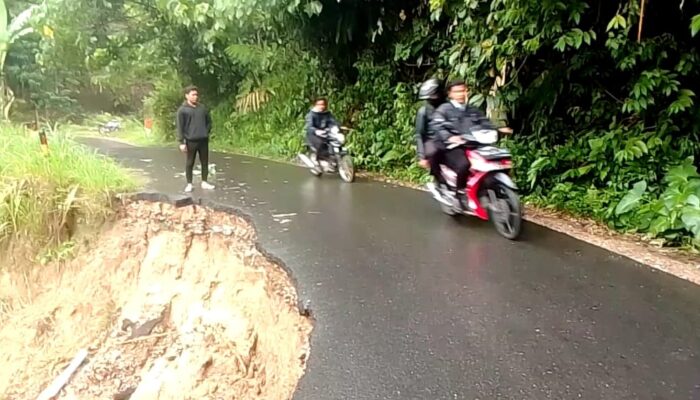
252, 101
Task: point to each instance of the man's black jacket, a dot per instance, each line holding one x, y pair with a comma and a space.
450, 120
319, 120
423, 132
193, 123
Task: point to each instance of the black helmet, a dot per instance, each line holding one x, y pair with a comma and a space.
429, 89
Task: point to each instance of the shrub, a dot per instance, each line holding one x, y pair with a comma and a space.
43, 197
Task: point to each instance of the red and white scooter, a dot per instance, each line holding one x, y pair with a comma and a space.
491, 194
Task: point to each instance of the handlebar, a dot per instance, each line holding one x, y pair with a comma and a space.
467, 139
476, 137
329, 131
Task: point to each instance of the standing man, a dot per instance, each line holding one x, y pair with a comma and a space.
193, 129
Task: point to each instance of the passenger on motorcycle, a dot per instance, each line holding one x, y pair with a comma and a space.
429, 150
319, 122
450, 121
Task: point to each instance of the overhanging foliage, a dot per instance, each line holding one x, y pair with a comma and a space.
603, 94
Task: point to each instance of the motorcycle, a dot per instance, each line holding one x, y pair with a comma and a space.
491, 194
332, 158
109, 127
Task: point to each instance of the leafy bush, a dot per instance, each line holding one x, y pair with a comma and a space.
163, 103
382, 111
672, 215
274, 128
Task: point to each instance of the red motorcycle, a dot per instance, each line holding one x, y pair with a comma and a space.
491, 194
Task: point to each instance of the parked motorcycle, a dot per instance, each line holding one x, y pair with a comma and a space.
333, 156
491, 194
109, 127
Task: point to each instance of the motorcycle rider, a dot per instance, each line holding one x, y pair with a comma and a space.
318, 122
450, 121
429, 150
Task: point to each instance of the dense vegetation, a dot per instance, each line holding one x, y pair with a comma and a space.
601, 93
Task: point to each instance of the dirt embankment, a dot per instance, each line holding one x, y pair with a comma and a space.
171, 304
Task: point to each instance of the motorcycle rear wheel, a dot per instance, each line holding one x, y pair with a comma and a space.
506, 215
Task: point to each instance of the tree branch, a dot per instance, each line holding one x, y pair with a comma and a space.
641, 20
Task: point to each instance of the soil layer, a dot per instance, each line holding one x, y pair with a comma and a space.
171, 303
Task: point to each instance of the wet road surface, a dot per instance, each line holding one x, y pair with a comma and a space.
411, 304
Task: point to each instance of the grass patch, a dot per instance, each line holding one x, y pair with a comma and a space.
43, 198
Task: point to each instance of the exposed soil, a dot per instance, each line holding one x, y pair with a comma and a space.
171, 304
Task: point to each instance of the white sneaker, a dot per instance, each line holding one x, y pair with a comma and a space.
207, 186
188, 188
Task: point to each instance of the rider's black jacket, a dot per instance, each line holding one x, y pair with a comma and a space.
423, 132
449, 120
319, 120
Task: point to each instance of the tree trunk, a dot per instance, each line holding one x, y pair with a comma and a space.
8, 100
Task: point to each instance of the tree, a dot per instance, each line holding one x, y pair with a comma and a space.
9, 33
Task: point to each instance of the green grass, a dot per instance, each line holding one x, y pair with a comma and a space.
44, 197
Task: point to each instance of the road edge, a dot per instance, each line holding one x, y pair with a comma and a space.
633, 247
684, 265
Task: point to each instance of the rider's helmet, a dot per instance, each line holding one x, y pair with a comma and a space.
429, 89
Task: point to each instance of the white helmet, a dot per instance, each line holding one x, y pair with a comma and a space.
429, 89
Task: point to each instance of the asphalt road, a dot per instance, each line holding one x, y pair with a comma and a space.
411, 304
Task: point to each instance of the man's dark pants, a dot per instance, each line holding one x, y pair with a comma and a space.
195, 147
456, 160
434, 153
316, 143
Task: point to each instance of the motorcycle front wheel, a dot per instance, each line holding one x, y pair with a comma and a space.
505, 212
445, 208
346, 169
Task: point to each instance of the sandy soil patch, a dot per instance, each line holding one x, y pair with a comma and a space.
171, 303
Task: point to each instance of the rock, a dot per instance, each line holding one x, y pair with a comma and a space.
124, 395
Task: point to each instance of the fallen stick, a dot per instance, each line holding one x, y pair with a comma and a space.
142, 338
61, 381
